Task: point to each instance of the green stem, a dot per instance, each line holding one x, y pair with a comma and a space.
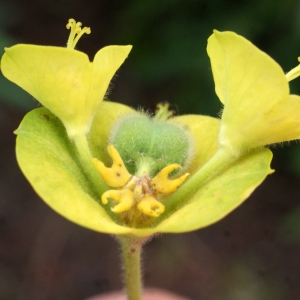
131, 255
215, 165
85, 157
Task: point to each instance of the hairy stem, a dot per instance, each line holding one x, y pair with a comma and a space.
131, 256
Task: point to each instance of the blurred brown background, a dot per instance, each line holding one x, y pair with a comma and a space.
251, 254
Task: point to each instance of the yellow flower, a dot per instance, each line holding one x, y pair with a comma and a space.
63, 79
57, 177
138, 156
258, 109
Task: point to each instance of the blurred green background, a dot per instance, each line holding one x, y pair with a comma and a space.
251, 254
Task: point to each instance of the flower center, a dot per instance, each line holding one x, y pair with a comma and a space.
136, 196
75, 33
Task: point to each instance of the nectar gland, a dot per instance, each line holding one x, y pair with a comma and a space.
76, 33
136, 196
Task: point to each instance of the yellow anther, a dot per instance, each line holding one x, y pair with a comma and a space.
75, 33
163, 185
117, 175
125, 198
150, 206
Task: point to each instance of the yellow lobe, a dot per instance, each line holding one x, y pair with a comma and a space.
115, 176
64, 80
204, 133
163, 185
124, 197
258, 109
150, 206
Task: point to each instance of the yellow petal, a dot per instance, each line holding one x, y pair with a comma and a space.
253, 87
64, 80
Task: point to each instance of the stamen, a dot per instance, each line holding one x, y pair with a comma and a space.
150, 206
115, 176
162, 112
125, 198
75, 30
84, 30
163, 185
294, 73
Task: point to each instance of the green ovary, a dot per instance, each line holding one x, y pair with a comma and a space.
147, 145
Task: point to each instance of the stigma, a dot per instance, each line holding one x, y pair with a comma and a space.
136, 194
76, 32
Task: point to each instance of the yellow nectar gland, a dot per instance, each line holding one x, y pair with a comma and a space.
75, 33
136, 192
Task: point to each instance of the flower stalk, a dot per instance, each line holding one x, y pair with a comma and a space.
131, 248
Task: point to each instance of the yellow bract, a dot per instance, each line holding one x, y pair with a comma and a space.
64, 80
258, 109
